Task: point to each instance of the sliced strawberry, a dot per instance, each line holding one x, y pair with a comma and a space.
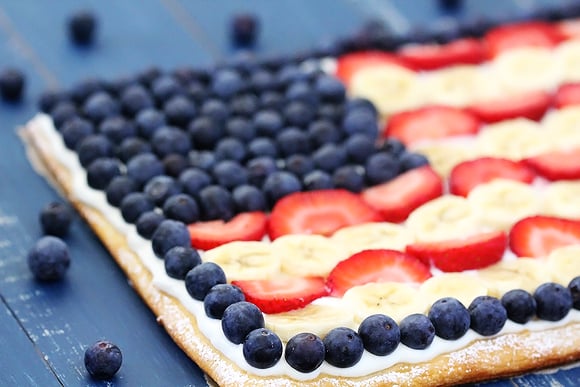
434, 56
468, 174
567, 94
319, 212
397, 198
557, 165
248, 226
348, 64
431, 123
537, 236
282, 294
471, 253
525, 34
569, 29
379, 265
530, 105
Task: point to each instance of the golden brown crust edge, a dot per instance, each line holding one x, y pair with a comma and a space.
502, 356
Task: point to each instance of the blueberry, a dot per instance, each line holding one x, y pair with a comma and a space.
134, 99
101, 171
12, 84
216, 109
330, 112
316, 180
393, 146
216, 202
259, 169
349, 177
181, 207
168, 140
248, 198
134, 204
299, 165
229, 174
244, 105
179, 111
409, 160
55, 219
148, 222
115, 86
519, 305
193, 180
359, 147
169, 233
267, 122
244, 28
148, 121
292, 140
143, 167
93, 147
230, 148
131, 147
179, 260
49, 258
240, 319
161, 187
201, 278
305, 352
165, 87
360, 121
488, 315
117, 129
330, 88
49, 98
82, 26
197, 91
83, 89
380, 334
262, 348
271, 100
240, 128
175, 164
118, 188
226, 83
204, 160
574, 287
553, 301
381, 167
262, 80
279, 184
205, 132
303, 92
329, 157
450, 318
103, 359
343, 347
298, 113
289, 73
321, 132
62, 112
219, 297
147, 76
262, 146
99, 106
417, 331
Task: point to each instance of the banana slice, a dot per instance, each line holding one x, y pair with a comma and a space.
382, 235
526, 69
446, 217
307, 255
390, 88
463, 286
443, 156
513, 139
567, 54
501, 202
562, 198
564, 264
245, 260
520, 273
459, 86
396, 300
313, 318
562, 127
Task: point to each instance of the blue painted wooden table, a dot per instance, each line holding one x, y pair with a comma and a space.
45, 328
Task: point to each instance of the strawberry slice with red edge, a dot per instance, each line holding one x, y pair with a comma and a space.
247, 226
431, 123
319, 212
381, 265
526, 34
555, 165
567, 94
349, 64
569, 29
471, 253
397, 198
530, 105
469, 174
434, 56
282, 294
538, 236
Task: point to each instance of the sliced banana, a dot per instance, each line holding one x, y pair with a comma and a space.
562, 199
307, 255
443, 156
513, 139
245, 260
382, 235
526, 69
463, 286
567, 54
520, 273
396, 300
446, 217
313, 318
562, 127
502, 202
564, 264
390, 88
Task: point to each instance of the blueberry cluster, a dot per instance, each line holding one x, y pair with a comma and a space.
204, 145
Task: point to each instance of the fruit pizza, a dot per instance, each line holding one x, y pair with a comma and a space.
378, 218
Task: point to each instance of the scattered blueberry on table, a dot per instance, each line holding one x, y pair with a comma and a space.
55, 219
244, 29
82, 27
49, 259
103, 359
12, 84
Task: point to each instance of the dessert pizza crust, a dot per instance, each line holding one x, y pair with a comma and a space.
501, 356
